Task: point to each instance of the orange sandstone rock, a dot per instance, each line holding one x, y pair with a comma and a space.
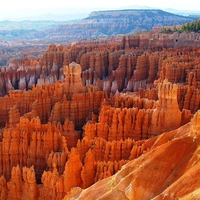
29, 187
72, 173
88, 170
15, 184
3, 188
166, 181
167, 115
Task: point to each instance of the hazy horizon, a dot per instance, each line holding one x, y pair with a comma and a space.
21, 10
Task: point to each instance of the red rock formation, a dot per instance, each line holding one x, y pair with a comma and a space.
79, 135
72, 173
103, 57
169, 157
14, 116
167, 115
3, 188
53, 185
57, 158
146, 119
73, 83
142, 68
88, 170
72, 136
15, 184
27, 145
153, 67
29, 187
41, 100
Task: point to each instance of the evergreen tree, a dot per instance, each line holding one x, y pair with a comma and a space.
192, 26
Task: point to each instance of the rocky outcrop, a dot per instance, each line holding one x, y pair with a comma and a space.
72, 173
145, 119
29, 187
167, 115
89, 170
3, 188
53, 185
165, 158
48, 101
27, 145
71, 135
73, 82
15, 184
125, 63
14, 116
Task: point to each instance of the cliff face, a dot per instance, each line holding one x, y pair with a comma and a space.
123, 22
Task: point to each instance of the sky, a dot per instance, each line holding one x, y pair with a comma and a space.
15, 9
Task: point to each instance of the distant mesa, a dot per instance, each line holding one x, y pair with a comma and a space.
97, 24
123, 22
